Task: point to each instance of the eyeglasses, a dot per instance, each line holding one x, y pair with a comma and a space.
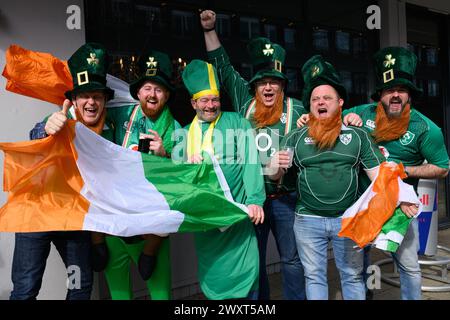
272, 83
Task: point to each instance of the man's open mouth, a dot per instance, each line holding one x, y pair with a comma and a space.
322, 111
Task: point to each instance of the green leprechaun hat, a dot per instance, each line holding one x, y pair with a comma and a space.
267, 59
88, 67
394, 66
316, 71
200, 79
154, 66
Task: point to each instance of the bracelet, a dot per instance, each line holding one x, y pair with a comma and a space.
208, 30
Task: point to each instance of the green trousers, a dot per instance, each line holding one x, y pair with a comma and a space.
117, 271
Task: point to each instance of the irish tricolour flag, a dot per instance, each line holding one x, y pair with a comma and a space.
376, 217
76, 180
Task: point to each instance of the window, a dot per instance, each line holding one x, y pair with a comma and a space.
359, 46
346, 78
431, 55
120, 12
223, 25
289, 38
320, 40
270, 31
343, 42
249, 28
150, 17
433, 88
292, 75
182, 23
246, 71
360, 83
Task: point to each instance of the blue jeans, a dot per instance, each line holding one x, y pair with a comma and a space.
279, 217
30, 256
313, 234
408, 265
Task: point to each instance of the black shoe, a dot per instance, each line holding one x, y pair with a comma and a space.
146, 266
99, 256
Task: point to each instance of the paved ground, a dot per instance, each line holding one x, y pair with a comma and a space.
387, 291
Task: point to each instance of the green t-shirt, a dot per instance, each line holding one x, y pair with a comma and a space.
423, 140
122, 119
228, 261
242, 98
327, 181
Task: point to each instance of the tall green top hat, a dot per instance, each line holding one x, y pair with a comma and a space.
316, 71
200, 79
394, 66
88, 67
153, 66
267, 59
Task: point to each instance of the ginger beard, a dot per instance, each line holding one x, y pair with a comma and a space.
390, 128
325, 131
266, 116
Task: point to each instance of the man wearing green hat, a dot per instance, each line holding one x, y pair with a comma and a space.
85, 103
404, 135
328, 155
262, 100
150, 119
228, 260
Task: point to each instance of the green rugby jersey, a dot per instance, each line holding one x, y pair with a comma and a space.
327, 180
242, 97
423, 140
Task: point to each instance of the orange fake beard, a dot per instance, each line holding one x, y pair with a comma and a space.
98, 127
267, 116
388, 129
325, 131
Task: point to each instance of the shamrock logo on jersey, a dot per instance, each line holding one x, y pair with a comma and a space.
407, 138
283, 118
345, 138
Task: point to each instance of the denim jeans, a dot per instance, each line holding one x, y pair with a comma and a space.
408, 265
313, 234
279, 217
30, 256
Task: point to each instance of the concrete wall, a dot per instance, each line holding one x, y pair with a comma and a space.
38, 26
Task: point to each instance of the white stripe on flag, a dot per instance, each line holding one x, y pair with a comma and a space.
125, 202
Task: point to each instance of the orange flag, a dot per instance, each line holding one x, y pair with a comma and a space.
37, 74
42, 178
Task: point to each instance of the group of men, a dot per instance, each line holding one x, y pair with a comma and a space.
301, 203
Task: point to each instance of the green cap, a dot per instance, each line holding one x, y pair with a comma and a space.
200, 79
153, 66
267, 59
88, 67
316, 71
394, 66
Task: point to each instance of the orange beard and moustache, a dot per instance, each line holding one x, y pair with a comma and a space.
98, 127
150, 113
267, 116
388, 129
325, 131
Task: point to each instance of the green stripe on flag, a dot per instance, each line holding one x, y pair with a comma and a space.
194, 190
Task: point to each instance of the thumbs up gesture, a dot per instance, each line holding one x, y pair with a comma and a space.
58, 119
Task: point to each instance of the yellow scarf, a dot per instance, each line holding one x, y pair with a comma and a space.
195, 137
